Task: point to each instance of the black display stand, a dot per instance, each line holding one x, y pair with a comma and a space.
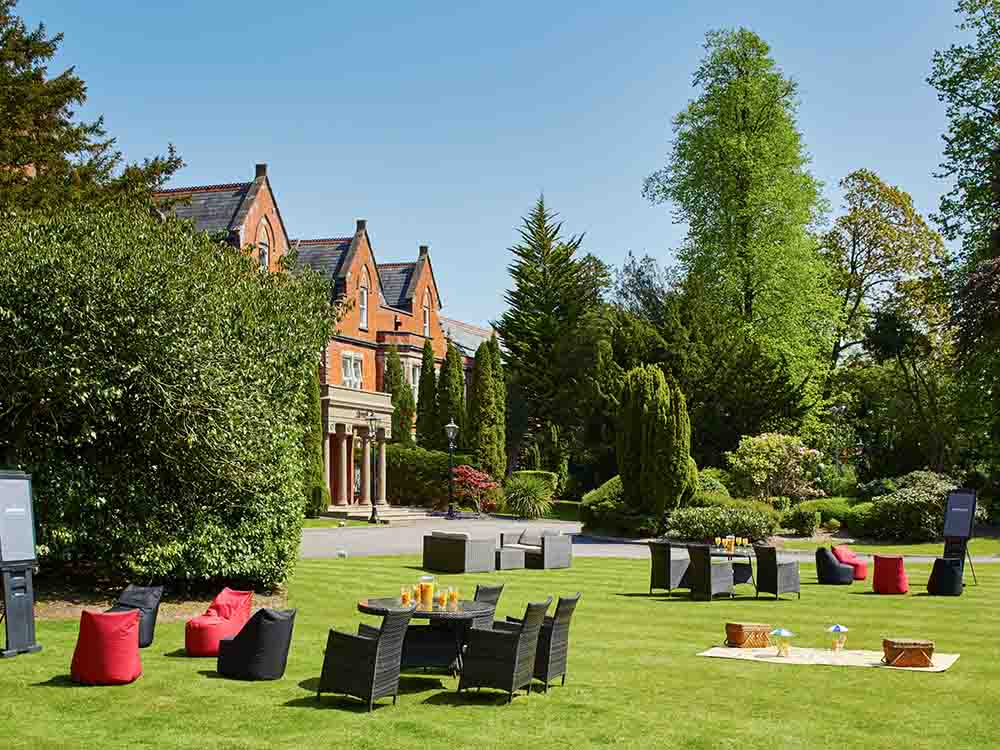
959, 521
17, 563
18, 612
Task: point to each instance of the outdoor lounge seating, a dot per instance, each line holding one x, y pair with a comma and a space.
504, 658
846, 555
145, 599
666, 571
708, 579
365, 666
224, 618
490, 595
543, 551
889, 576
946, 577
775, 577
458, 552
107, 648
553, 642
260, 650
830, 571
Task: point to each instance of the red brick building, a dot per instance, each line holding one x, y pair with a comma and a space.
393, 304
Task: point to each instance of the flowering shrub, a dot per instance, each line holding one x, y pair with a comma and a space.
775, 465
475, 488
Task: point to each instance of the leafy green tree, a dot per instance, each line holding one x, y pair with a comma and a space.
553, 292
427, 416
966, 78
500, 399
155, 386
317, 495
451, 399
402, 399
737, 176
877, 248
47, 159
654, 439
485, 422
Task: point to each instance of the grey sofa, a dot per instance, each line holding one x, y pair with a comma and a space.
542, 550
458, 552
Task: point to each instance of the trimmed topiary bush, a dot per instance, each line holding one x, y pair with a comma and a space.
708, 484
704, 524
715, 474
415, 476
527, 495
856, 519
802, 521
826, 507
549, 477
605, 509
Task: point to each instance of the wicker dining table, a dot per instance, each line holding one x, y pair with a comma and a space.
744, 572
458, 617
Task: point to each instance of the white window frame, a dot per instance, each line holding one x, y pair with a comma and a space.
415, 381
264, 247
363, 307
352, 373
427, 321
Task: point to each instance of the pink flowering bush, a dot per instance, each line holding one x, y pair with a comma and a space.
475, 488
775, 465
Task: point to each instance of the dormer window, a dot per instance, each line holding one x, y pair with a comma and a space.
264, 245
363, 300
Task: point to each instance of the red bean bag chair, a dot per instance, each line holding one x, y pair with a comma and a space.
107, 649
224, 618
890, 577
846, 555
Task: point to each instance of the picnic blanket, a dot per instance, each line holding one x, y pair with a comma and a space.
824, 657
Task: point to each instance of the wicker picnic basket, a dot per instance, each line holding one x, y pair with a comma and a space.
747, 635
899, 652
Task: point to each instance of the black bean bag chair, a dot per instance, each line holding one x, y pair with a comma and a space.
946, 577
260, 650
829, 570
146, 599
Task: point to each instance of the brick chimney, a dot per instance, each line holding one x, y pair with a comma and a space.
362, 223
424, 249
260, 171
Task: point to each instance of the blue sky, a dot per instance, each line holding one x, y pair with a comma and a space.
441, 125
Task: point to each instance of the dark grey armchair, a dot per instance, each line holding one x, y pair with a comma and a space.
365, 666
553, 642
543, 551
829, 570
708, 579
666, 571
504, 658
489, 595
146, 599
457, 552
775, 577
260, 650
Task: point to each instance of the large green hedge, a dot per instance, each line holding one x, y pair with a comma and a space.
704, 524
154, 384
416, 476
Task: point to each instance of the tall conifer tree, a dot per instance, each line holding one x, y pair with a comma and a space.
451, 399
402, 399
427, 419
500, 398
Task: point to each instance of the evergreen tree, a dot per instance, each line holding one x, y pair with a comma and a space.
451, 399
46, 158
654, 442
500, 401
427, 419
485, 421
317, 495
402, 399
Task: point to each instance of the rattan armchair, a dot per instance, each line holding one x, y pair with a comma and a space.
504, 658
775, 577
364, 666
666, 571
708, 579
553, 642
489, 595
457, 552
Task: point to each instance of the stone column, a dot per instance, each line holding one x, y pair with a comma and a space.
343, 465
380, 496
326, 457
366, 467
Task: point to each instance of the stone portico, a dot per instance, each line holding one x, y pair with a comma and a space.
345, 421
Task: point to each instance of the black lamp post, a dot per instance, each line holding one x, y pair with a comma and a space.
373, 423
451, 431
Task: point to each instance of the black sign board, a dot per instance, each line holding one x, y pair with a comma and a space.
960, 514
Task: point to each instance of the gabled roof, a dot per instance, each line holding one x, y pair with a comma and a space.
213, 208
465, 336
324, 256
396, 283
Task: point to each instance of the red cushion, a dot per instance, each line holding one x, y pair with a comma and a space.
224, 618
846, 555
107, 649
890, 576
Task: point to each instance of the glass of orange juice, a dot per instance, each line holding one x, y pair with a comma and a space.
404, 596
442, 597
718, 541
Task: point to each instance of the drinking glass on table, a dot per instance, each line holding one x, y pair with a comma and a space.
452, 597
442, 597
404, 596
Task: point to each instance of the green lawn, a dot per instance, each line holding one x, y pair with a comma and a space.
331, 523
984, 547
634, 681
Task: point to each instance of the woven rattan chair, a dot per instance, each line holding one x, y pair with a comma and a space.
363, 666
666, 571
146, 599
553, 642
708, 579
775, 577
260, 650
456, 552
504, 658
489, 595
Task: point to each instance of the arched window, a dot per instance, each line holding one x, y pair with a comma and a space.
427, 315
264, 245
363, 298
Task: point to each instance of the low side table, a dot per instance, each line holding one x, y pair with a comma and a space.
510, 558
